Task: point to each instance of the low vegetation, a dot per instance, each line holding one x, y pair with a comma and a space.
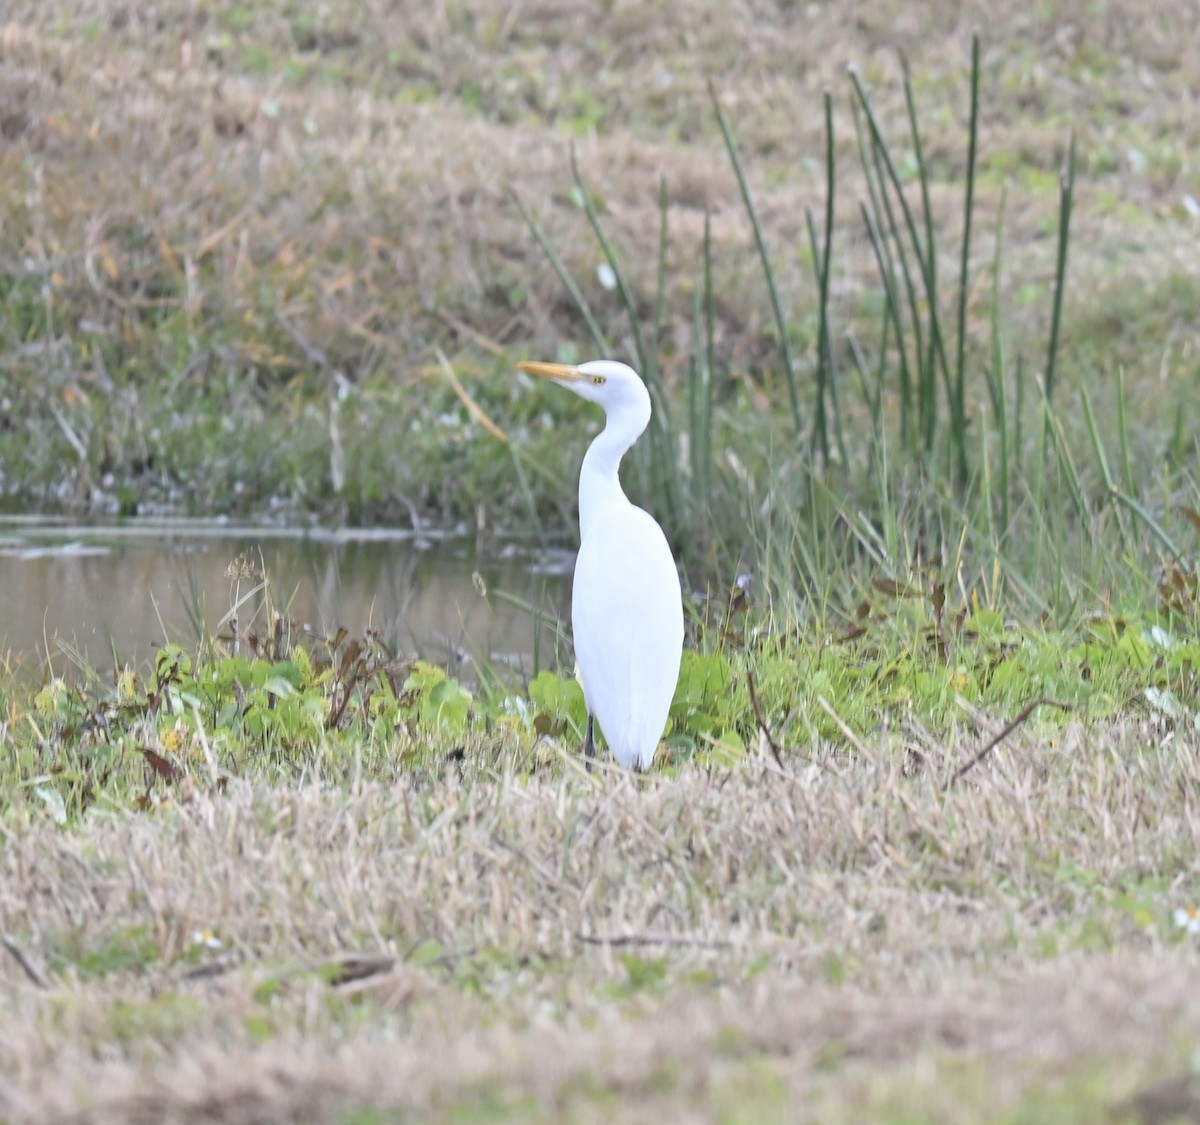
280, 704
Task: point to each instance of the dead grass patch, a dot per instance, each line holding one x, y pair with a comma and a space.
540, 943
357, 161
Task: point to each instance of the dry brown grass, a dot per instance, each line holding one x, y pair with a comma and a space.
358, 162
843, 935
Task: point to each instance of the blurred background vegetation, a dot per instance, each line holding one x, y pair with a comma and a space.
914, 307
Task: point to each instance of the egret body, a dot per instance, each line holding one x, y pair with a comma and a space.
626, 604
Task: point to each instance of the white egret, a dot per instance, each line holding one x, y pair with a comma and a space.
626, 608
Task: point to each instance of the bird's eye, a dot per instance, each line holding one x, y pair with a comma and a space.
599, 380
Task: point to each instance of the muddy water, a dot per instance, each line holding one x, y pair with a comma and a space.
112, 593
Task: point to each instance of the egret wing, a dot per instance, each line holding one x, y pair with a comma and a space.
627, 618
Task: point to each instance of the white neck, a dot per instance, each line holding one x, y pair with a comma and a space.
599, 481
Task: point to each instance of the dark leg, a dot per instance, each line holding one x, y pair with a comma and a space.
589, 743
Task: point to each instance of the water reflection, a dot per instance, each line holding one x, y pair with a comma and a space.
112, 593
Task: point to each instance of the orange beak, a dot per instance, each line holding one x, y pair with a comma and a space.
559, 372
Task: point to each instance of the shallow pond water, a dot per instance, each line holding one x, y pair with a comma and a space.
111, 593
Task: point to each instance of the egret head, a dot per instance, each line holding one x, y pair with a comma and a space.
613, 385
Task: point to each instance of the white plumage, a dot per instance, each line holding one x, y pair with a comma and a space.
627, 607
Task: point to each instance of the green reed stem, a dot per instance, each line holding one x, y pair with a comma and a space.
646, 366
959, 405
789, 366
1066, 196
564, 275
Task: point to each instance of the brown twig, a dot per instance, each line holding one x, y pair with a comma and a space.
31, 970
1022, 717
209, 969
653, 939
463, 329
472, 406
345, 968
761, 720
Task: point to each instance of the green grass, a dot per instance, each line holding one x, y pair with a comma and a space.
947, 437
275, 702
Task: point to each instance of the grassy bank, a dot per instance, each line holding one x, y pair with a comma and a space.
952, 310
